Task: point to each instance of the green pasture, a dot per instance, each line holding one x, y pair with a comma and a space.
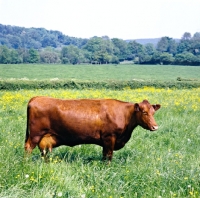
98, 72
165, 163
161, 164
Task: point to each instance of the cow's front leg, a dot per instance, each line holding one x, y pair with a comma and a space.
108, 147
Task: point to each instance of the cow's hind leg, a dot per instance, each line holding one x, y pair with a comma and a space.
29, 146
108, 147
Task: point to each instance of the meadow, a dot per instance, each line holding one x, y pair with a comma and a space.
98, 72
165, 163
115, 77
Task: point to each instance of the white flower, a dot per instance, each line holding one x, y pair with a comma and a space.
83, 196
26, 176
60, 194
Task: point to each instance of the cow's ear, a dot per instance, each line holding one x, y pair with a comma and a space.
156, 107
137, 107
145, 101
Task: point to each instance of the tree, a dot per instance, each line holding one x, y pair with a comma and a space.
14, 56
195, 44
184, 46
162, 45
23, 55
167, 44
104, 58
114, 60
166, 58
4, 41
99, 44
100, 48
142, 58
149, 49
33, 56
49, 41
88, 56
14, 41
35, 44
186, 36
48, 55
120, 48
134, 50
4, 55
185, 58
172, 47
197, 62
196, 36
156, 58
72, 54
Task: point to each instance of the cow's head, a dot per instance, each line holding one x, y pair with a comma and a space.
144, 115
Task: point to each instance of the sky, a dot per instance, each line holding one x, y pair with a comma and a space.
124, 19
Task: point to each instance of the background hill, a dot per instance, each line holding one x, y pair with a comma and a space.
37, 38
145, 41
153, 41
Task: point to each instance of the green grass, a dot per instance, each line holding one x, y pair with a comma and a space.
165, 163
99, 72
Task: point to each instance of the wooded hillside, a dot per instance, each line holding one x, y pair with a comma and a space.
38, 45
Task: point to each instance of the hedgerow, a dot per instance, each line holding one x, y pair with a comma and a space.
114, 85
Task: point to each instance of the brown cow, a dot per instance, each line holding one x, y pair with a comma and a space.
108, 123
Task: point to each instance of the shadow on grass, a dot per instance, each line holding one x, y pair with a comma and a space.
70, 156
85, 155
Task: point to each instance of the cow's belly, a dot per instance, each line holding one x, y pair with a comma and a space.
77, 128
72, 136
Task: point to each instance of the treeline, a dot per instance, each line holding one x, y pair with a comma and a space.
38, 45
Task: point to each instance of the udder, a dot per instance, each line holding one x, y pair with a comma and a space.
47, 143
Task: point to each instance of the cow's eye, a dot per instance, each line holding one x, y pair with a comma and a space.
144, 112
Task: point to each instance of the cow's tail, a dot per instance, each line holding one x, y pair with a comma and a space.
27, 125
27, 145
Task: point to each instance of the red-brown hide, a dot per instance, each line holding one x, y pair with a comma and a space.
106, 122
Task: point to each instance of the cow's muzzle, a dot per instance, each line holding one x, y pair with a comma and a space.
154, 128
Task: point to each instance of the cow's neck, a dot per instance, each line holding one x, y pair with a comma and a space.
129, 129
132, 125
133, 121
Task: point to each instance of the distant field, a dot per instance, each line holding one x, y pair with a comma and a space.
99, 72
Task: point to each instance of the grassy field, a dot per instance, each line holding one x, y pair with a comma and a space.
165, 163
99, 72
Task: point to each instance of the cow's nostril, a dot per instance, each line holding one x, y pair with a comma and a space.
154, 127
